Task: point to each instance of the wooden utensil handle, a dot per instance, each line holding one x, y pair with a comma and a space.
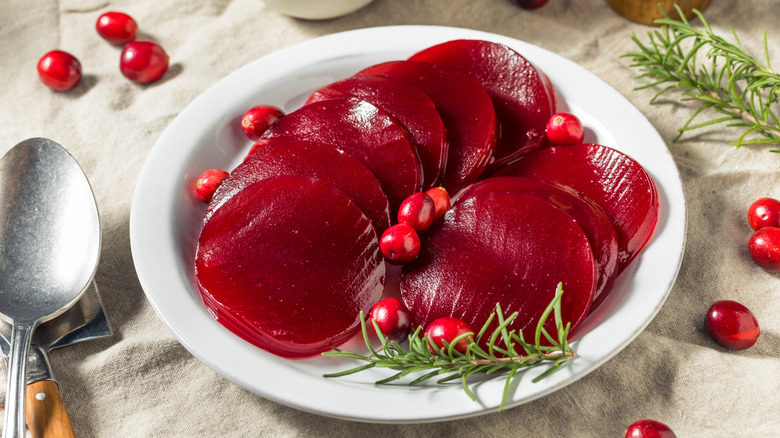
46, 413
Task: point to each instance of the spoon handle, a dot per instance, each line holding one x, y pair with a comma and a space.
13, 426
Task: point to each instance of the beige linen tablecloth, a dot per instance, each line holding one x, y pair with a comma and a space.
142, 382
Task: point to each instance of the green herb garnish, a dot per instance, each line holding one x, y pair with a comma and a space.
506, 351
714, 72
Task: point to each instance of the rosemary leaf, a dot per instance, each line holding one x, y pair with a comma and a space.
507, 360
716, 73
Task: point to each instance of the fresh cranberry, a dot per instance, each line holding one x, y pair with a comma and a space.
393, 319
208, 182
649, 429
732, 325
257, 119
565, 129
441, 201
59, 70
764, 248
117, 27
764, 213
417, 211
447, 329
531, 4
143, 61
400, 244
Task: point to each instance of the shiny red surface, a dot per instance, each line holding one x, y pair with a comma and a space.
393, 319
596, 225
413, 108
648, 429
116, 27
764, 212
257, 119
208, 182
447, 329
522, 100
143, 61
287, 264
464, 107
59, 70
612, 179
501, 248
400, 244
764, 248
417, 211
362, 130
323, 162
732, 325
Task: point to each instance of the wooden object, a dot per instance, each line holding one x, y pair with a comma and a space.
46, 414
646, 11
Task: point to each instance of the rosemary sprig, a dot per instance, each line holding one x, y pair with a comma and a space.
717, 74
511, 354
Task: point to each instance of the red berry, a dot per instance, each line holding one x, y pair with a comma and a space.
531, 4
393, 319
208, 182
116, 27
417, 211
764, 248
649, 429
441, 201
143, 61
59, 70
732, 325
565, 129
764, 213
400, 244
447, 329
256, 120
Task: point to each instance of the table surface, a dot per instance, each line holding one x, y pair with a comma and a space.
142, 382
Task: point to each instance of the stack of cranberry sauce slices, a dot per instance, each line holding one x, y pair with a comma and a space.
289, 253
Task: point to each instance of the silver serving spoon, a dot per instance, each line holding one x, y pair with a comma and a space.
49, 249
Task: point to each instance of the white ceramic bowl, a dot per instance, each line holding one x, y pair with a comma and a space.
316, 9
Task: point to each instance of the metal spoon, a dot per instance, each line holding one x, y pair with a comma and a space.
49, 249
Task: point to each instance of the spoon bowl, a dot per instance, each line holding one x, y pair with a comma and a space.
49, 250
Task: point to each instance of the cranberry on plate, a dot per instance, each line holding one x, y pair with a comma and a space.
258, 119
400, 244
208, 182
418, 211
447, 329
59, 70
441, 201
393, 319
564, 129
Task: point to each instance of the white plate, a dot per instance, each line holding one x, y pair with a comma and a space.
165, 222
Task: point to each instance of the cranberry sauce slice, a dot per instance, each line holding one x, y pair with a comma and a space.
413, 108
501, 248
590, 217
614, 180
519, 91
465, 109
361, 130
287, 264
314, 160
